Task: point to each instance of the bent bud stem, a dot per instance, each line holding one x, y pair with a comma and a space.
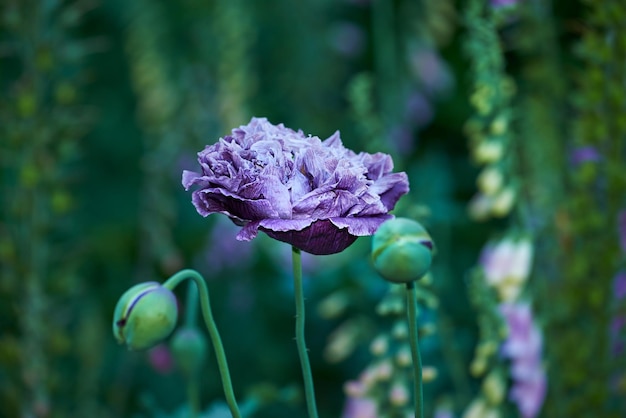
205, 305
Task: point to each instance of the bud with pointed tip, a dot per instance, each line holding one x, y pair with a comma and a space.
144, 315
402, 250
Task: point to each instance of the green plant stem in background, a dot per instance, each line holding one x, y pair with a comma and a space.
205, 304
193, 398
300, 320
411, 302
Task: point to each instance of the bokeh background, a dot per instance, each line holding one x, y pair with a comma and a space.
508, 116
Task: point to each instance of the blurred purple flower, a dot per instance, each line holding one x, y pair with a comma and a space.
523, 347
621, 229
347, 39
619, 285
584, 154
160, 358
357, 407
529, 394
430, 70
618, 321
401, 137
617, 342
315, 195
418, 109
504, 3
223, 251
443, 412
507, 265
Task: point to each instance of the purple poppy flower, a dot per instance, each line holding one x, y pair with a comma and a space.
315, 195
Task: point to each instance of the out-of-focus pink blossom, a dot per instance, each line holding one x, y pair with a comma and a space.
398, 394
504, 3
529, 396
507, 265
223, 251
161, 359
431, 71
418, 109
523, 347
360, 408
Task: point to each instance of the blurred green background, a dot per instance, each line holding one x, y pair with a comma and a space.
105, 103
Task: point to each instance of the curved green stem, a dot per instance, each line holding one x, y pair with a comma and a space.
191, 306
205, 304
302, 351
411, 302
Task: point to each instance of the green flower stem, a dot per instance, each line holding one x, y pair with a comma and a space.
411, 301
205, 304
191, 313
302, 351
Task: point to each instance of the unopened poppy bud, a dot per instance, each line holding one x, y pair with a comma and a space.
402, 250
189, 348
145, 314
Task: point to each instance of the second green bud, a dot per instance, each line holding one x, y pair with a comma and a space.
402, 250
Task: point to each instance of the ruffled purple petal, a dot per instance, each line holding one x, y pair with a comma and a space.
208, 201
191, 178
391, 188
377, 164
325, 203
360, 227
270, 189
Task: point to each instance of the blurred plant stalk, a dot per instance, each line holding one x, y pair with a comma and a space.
41, 123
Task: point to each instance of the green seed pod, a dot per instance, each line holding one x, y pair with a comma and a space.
189, 348
402, 250
145, 314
